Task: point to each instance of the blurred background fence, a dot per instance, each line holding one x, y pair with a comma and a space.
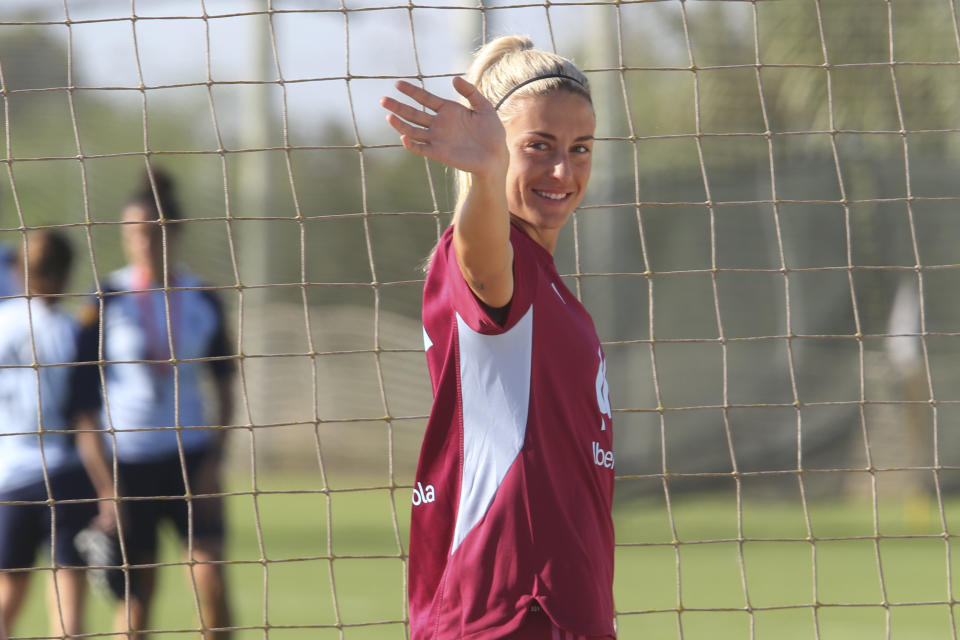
769, 246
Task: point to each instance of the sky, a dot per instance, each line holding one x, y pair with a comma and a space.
315, 49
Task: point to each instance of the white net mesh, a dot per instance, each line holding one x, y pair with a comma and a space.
768, 249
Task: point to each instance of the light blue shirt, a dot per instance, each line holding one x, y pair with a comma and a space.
142, 403
54, 339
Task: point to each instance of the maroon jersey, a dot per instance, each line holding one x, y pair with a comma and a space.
511, 506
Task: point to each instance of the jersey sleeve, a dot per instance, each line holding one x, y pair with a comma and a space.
466, 304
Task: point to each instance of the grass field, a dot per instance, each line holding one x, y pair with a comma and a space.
691, 590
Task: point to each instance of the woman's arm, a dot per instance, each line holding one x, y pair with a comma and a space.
89, 441
471, 139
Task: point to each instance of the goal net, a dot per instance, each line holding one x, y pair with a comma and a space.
768, 249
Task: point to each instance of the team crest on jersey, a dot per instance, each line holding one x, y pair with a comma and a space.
603, 390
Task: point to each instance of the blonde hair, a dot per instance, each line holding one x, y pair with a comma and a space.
509, 68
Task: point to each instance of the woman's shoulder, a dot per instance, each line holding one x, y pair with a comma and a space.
13, 313
186, 278
49, 324
20, 312
442, 255
12, 305
117, 280
122, 279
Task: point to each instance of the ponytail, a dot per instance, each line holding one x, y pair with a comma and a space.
510, 68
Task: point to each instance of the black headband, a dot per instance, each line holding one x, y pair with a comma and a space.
534, 79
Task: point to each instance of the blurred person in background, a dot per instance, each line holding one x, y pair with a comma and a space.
38, 461
8, 279
153, 312
511, 534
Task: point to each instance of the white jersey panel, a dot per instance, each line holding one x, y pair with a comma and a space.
495, 390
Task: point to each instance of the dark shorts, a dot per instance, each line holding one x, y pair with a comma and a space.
24, 528
163, 481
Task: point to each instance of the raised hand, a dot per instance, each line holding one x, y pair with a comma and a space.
470, 138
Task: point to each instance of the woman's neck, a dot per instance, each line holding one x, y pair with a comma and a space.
544, 237
144, 274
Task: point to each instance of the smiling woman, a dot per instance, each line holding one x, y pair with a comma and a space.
550, 143
511, 535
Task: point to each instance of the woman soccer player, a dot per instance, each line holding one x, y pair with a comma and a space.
38, 461
157, 408
511, 533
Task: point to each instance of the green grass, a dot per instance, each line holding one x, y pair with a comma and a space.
710, 583
715, 583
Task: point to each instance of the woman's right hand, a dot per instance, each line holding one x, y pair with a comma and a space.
107, 516
470, 138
